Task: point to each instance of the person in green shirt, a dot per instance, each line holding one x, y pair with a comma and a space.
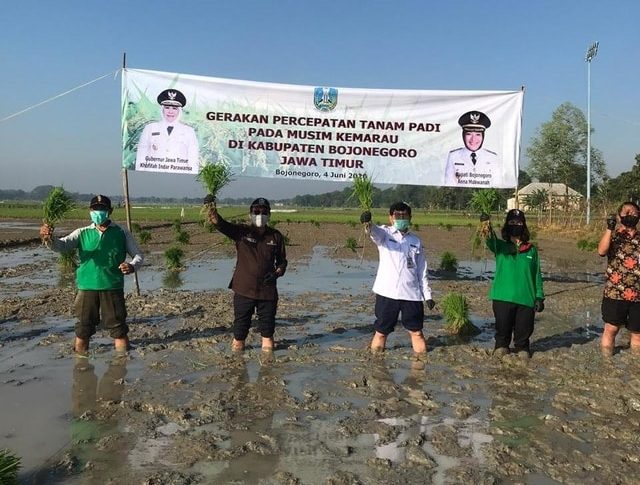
102, 249
516, 290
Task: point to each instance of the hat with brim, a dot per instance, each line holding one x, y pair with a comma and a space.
172, 97
474, 121
100, 202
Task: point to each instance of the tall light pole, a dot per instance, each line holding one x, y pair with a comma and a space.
591, 53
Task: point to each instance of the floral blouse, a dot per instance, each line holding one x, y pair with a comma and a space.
623, 268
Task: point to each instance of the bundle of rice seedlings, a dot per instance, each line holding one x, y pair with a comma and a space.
173, 257
183, 237
57, 206
483, 202
213, 177
67, 261
456, 314
362, 189
448, 262
144, 236
9, 467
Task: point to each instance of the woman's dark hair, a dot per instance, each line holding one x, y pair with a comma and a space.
629, 203
400, 207
525, 233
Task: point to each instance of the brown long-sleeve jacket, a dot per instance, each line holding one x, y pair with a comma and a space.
259, 252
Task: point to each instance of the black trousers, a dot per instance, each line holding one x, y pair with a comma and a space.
243, 310
513, 319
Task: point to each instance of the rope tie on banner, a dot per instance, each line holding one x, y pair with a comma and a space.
114, 73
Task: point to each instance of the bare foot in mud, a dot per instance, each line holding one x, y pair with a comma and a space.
267, 344
121, 345
378, 342
81, 346
237, 345
418, 342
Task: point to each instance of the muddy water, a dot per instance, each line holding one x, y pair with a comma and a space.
181, 408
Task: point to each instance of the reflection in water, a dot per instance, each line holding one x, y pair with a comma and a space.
87, 392
172, 280
252, 434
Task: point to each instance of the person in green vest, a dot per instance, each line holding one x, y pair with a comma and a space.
102, 249
516, 291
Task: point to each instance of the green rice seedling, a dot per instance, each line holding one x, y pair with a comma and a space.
9, 467
177, 226
448, 227
173, 257
136, 228
448, 262
351, 243
144, 237
362, 190
416, 227
456, 314
483, 202
57, 206
214, 176
353, 224
67, 261
183, 237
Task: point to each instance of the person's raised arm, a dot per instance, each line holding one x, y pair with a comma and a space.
605, 240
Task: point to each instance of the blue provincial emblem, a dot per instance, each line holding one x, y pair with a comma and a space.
325, 99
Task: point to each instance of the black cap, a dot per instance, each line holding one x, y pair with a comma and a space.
172, 97
260, 202
100, 202
516, 215
474, 121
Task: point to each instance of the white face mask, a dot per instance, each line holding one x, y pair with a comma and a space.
259, 220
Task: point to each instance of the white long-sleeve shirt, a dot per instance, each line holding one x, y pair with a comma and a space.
402, 269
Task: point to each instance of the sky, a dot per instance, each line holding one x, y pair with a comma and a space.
75, 140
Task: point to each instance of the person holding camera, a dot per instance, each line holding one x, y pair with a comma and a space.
261, 260
621, 296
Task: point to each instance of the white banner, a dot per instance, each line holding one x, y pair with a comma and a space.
175, 122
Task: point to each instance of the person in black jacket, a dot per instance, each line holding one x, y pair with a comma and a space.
261, 260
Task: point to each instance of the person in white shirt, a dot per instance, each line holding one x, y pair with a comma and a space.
401, 284
169, 145
472, 165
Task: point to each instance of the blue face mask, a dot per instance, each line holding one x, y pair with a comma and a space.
401, 224
99, 217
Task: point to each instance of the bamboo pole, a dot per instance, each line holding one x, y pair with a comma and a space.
125, 186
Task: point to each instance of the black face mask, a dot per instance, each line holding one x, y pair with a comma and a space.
515, 231
629, 220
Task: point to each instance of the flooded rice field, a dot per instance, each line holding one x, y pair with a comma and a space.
181, 408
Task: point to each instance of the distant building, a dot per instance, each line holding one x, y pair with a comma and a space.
559, 196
